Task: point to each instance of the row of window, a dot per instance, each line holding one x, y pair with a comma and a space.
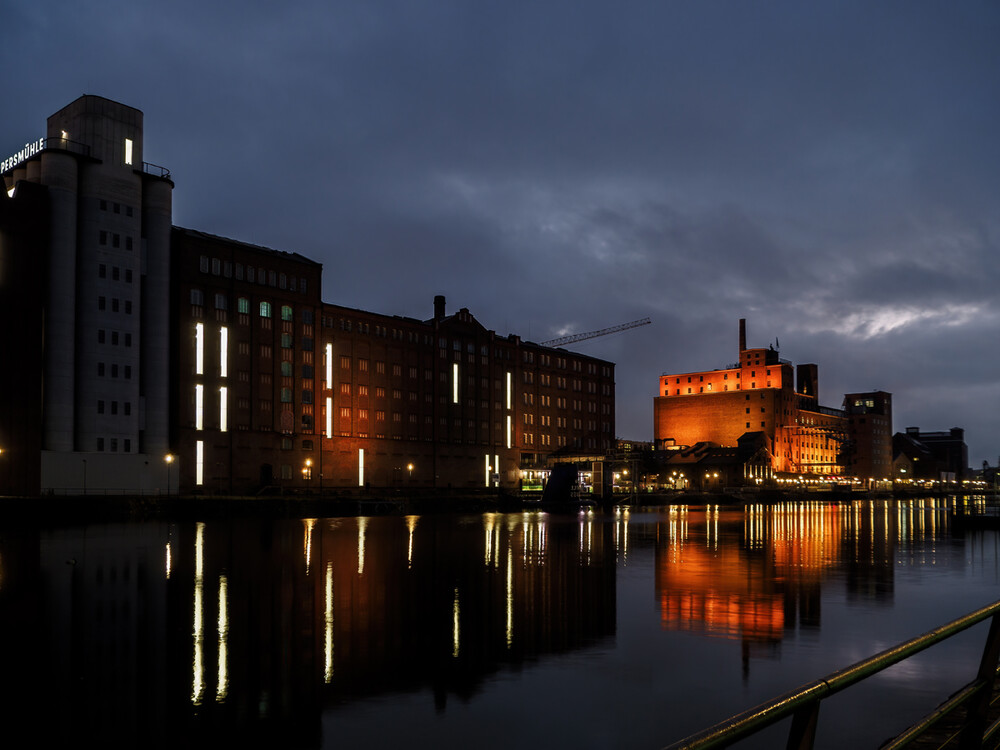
125, 405
102, 338
116, 207
114, 370
113, 443
252, 274
117, 273
117, 305
115, 239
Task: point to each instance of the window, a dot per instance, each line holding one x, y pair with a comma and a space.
286, 369
221, 302
286, 312
286, 341
286, 395
265, 309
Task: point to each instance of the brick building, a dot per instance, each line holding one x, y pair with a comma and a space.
447, 402
174, 360
759, 393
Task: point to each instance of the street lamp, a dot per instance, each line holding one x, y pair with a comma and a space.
169, 458
409, 468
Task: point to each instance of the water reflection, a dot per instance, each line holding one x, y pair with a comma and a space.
755, 573
315, 616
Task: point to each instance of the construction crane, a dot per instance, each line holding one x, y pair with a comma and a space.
594, 334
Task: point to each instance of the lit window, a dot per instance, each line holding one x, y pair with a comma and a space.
128, 152
265, 309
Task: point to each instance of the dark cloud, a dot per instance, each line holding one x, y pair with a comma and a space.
828, 171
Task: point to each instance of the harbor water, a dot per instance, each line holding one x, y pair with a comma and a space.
627, 628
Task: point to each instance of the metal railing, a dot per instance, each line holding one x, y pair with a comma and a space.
803, 703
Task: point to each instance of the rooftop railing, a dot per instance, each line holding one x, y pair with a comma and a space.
803, 704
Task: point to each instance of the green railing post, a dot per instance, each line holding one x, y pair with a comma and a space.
975, 718
802, 735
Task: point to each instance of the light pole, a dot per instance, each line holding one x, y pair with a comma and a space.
169, 458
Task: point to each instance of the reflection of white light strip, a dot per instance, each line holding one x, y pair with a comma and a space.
329, 417
328, 611
222, 681
224, 352
198, 681
329, 366
199, 406
454, 383
199, 349
223, 409
455, 631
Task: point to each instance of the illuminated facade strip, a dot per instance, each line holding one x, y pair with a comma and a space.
361, 467
329, 417
223, 409
199, 407
224, 352
199, 349
199, 463
329, 367
454, 382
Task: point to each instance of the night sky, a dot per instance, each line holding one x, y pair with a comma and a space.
828, 171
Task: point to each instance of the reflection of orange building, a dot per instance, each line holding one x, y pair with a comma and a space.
753, 590
757, 394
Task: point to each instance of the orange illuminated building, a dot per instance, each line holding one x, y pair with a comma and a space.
759, 393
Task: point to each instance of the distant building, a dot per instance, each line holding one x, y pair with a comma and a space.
868, 451
937, 456
163, 359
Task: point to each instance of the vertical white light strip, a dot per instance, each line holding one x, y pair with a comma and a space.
224, 352
329, 417
199, 349
199, 463
223, 409
487, 457
510, 432
128, 152
329, 367
361, 467
454, 383
510, 388
199, 407
496, 465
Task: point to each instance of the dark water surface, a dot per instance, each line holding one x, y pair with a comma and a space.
624, 629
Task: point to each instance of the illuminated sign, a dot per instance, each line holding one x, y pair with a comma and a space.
29, 150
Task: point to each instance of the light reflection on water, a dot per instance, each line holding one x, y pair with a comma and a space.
626, 628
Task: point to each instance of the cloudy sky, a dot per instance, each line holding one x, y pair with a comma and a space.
828, 171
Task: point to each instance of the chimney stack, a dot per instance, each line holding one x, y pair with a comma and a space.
439, 307
743, 336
